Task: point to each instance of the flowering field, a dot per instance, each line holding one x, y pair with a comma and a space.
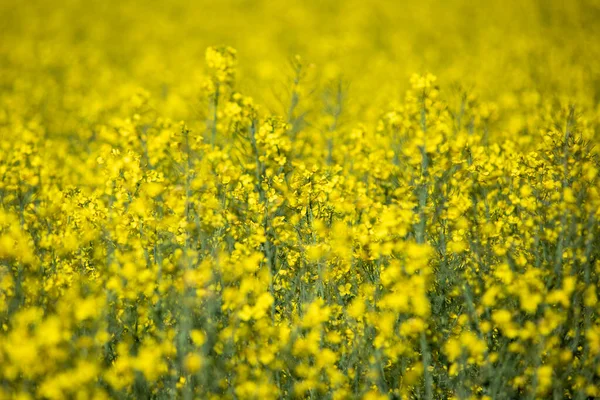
283, 199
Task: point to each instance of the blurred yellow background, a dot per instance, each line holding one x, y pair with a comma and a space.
62, 52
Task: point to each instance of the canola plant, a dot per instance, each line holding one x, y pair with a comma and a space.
299, 199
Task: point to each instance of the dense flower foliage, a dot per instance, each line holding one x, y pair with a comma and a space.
184, 219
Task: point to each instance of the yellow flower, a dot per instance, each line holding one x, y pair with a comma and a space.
193, 363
